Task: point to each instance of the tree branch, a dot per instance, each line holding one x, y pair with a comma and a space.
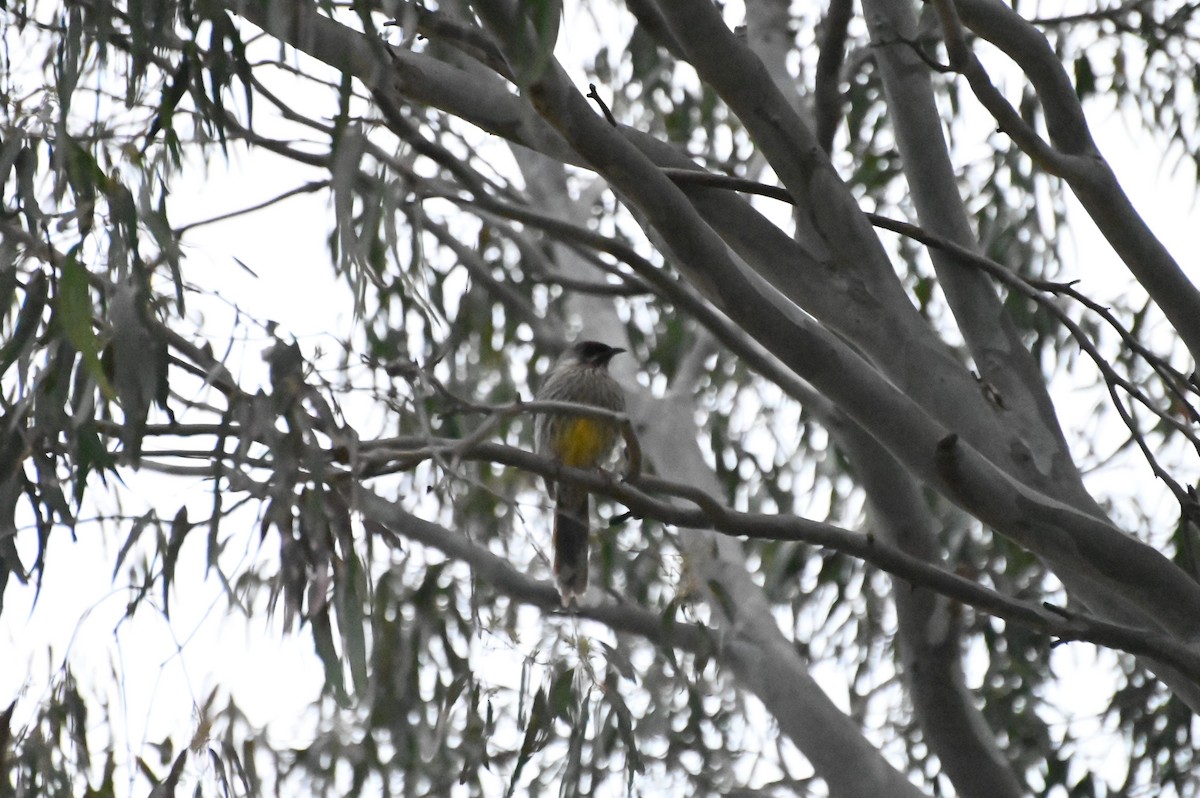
707, 513
496, 571
994, 342
403, 74
827, 93
1077, 159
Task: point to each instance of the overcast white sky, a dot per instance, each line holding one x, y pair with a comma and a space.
168, 668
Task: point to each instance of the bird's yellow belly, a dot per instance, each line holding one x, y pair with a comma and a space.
584, 442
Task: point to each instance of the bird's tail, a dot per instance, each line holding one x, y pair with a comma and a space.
571, 542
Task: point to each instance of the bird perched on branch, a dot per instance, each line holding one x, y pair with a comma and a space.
581, 377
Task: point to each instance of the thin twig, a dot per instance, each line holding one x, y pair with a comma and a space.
307, 188
595, 95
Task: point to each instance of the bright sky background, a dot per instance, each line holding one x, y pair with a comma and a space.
166, 669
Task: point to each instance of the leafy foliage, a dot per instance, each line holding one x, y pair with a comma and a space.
448, 666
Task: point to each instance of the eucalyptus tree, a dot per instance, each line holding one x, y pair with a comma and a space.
866, 513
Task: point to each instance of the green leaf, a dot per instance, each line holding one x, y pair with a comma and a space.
107, 788
172, 93
73, 307
723, 598
8, 274
561, 694
349, 593
619, 661
68, 64
669, 621
122, 211
578, 738
546, 16
537, 734
322, 632
10, 559
26, 166
180, 526
84, 176
624, 718
28, 321
138, 363
135, 531
90, 453
1085, 77
172, 780
11, 148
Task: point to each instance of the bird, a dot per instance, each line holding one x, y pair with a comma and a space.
579, 376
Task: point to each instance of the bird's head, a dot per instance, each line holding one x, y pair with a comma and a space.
593, 353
